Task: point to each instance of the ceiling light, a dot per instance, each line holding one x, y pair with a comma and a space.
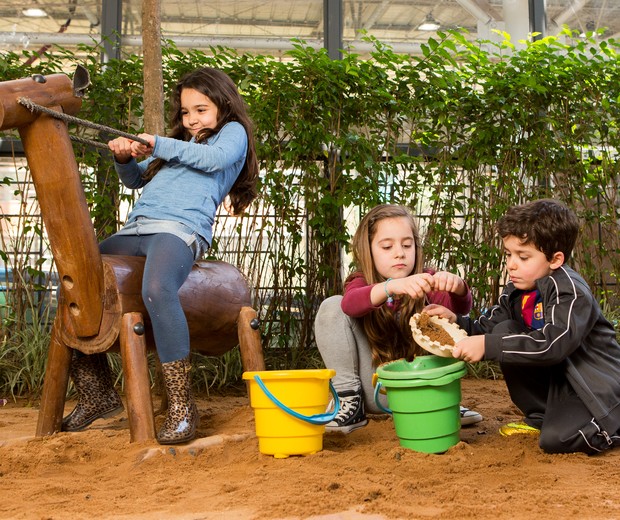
429, 24
34, 12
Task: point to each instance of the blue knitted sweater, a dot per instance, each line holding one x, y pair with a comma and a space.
194, 181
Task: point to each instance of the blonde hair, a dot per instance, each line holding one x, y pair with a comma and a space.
389, 335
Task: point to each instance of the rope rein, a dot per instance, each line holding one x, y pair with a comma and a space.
34, 107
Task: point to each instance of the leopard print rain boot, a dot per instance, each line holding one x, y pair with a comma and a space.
97, 397
182, 417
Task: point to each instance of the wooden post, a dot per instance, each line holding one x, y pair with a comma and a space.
249, 341
136, 372
54, 385
152, 68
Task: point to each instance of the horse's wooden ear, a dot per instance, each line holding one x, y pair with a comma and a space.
81, 81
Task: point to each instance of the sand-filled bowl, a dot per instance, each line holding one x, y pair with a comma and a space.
434, 334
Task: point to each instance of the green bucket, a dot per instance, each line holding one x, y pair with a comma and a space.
423, 396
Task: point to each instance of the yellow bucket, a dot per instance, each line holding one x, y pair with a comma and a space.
289, 409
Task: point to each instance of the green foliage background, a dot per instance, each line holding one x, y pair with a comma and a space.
459, 134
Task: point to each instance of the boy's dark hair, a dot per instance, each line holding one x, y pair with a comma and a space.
546, 223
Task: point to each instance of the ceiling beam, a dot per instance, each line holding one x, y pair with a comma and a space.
198, 42
574, 8
480, 14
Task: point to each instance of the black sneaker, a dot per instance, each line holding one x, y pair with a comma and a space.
351, 414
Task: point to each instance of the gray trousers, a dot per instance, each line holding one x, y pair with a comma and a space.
343, 345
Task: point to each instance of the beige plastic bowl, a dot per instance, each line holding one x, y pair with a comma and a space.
433, 346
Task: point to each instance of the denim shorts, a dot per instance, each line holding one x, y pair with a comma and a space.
149, 226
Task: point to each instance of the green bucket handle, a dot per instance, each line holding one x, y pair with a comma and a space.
378, 387
317, 419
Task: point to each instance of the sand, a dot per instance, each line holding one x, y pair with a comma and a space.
366, 475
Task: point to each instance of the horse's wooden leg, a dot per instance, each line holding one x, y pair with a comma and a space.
54, 385
249, 341
136, 372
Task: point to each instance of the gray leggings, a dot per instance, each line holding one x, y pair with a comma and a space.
169, 261
343, 345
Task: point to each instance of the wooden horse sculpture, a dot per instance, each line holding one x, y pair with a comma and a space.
100, 304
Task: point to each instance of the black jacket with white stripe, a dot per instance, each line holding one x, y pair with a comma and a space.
575, 334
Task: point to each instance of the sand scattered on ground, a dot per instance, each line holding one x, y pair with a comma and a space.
366, 475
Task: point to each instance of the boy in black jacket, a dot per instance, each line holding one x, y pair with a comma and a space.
558, 354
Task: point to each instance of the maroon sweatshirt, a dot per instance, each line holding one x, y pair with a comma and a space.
356, 299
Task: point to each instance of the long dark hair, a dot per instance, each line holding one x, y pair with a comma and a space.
220, 89
388, 338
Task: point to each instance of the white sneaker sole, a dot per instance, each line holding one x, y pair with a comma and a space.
469, 417
348, 428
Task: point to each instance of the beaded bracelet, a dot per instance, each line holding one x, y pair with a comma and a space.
390, 299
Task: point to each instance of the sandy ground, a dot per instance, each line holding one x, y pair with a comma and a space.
366, 475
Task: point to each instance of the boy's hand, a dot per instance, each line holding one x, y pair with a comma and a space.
445, 281
439, 310
470, 349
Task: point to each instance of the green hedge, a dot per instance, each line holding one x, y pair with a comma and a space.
459, 134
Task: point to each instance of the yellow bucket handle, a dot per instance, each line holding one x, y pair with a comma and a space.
317, 419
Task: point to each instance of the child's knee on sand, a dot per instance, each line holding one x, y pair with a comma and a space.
589, 439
